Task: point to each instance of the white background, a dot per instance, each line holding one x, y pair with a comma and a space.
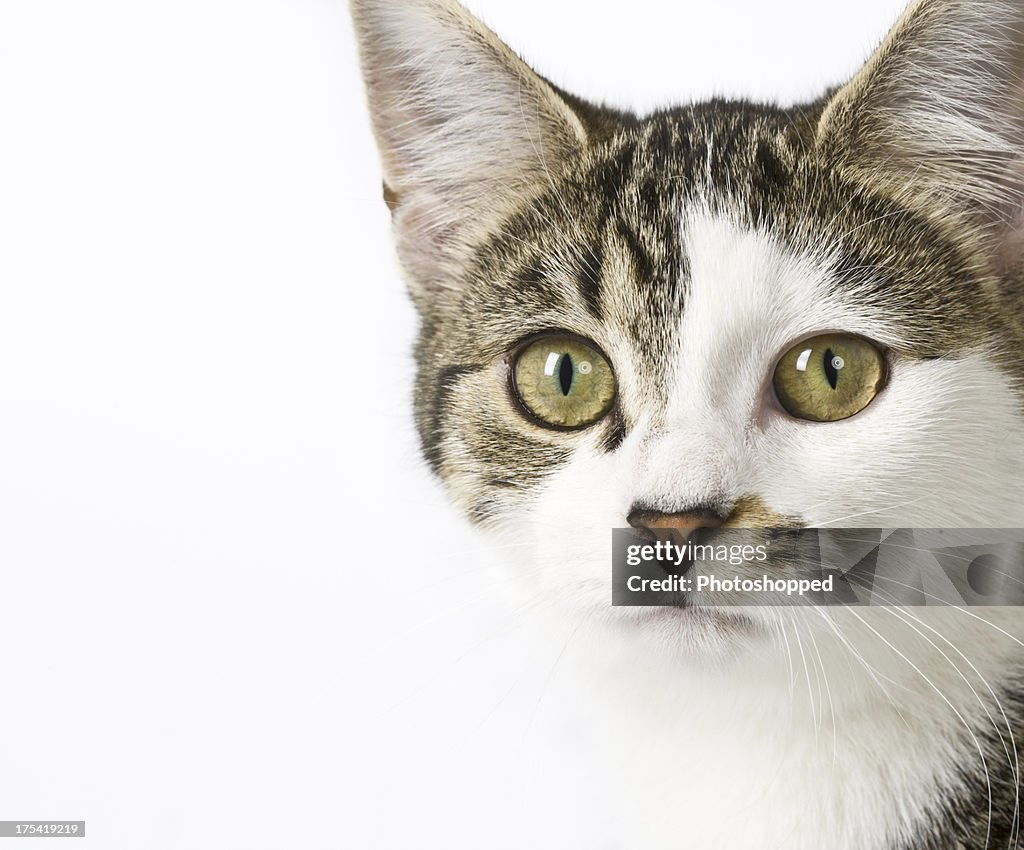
234, 610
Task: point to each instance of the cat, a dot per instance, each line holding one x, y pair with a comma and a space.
611, 309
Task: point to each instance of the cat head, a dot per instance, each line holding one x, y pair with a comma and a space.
726, 312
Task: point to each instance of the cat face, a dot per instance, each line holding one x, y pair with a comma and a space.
613, 308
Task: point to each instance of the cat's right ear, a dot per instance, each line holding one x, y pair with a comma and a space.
465, 129
937, 117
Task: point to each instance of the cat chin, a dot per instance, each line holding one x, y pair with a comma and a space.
698, 636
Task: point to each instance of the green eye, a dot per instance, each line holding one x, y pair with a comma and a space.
829, 377
563, 381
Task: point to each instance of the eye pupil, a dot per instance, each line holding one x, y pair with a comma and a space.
565, 373
832, 366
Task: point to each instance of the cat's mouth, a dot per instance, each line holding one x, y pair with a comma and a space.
704, 579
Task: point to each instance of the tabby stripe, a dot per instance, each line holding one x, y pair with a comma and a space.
588, 281
643, 265
447, 379
615, 433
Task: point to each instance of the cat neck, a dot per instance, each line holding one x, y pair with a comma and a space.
864, 757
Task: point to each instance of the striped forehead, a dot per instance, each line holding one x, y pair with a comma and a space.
596, 254
710, 240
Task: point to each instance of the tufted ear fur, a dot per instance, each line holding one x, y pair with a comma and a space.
937, 116
465, 128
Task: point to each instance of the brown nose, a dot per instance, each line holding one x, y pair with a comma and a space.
683, 524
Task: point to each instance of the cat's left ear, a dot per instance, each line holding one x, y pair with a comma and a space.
465, 129
937, 116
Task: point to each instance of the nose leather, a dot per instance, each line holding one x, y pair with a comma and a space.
684, 523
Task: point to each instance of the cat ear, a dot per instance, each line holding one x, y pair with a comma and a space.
937, 115
465, 128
